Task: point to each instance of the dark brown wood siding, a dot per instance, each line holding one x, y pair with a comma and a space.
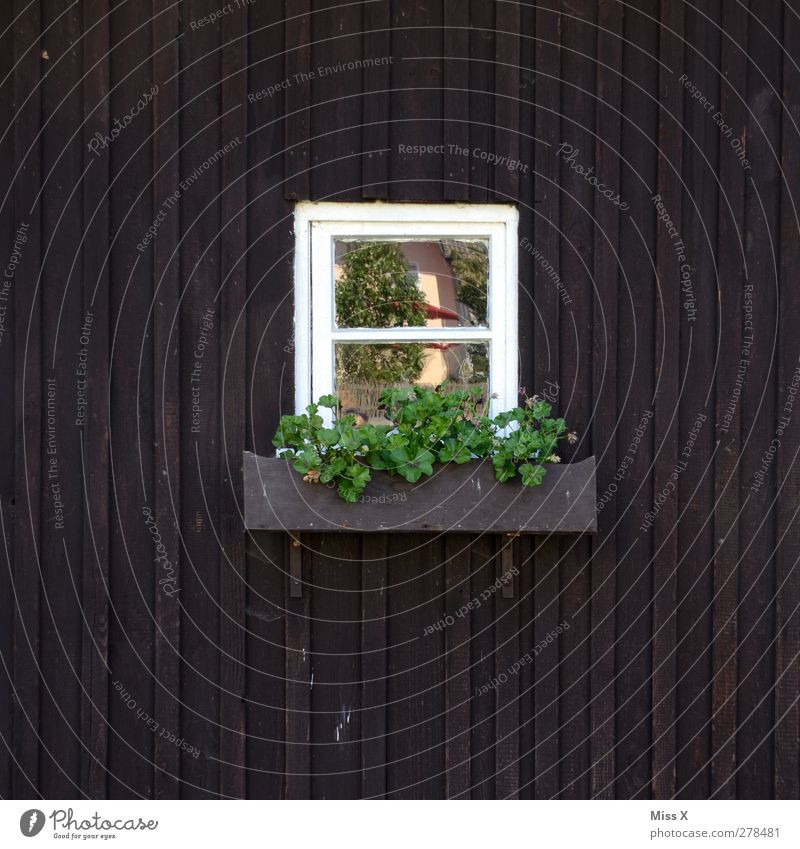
199, 669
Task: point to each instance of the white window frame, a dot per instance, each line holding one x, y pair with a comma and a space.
317, 225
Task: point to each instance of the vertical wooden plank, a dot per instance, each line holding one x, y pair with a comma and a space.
457, 684
604, 390
787, 571
665, 421
635, 388
525, 582
482, 647
94, 487
374, 549
507, 657
529, 330
416, 103
574, 401
29, 397
636, 385
573, 643
270, 392
756, 574
201, 367
270, 238
232, 300
299, 687
416, 703
166, 28
265, 683
60, 541
8, 235
481, 98
693, 460
336, 675
336, 97
456, 99
546, 670
547, 192
376, 101
734, 350
134, 577
506, 104
297, 99
547, 241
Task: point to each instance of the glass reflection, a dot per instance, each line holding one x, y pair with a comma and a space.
364, 371
412, 284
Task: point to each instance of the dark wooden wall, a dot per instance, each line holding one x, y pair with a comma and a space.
678, 674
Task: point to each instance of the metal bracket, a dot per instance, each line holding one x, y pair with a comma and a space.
295, 567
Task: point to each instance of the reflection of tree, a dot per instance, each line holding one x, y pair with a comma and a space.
376, 289
479, 363
470, 264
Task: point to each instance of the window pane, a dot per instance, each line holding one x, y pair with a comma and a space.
411, 284
364, 371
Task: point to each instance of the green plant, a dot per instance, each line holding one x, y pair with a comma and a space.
425, 427
377, 289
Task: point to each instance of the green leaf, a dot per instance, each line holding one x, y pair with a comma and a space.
425, 427
306, 461
532, 475
412, 466
329, 436
503, 467
454, 451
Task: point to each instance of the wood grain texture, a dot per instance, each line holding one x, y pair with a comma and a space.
755, 697
374, 578
787, 574
8, 228
167, 410
696, 440
96, 513
379, 673
29, 400
605, 319
458, 499
733, 299
665, 422
232, 300
458, 695
297, 99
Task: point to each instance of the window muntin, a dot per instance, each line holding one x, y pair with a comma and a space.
465, 340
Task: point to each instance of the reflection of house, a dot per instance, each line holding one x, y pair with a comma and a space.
435, 277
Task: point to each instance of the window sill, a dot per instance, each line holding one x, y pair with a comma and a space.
463, 499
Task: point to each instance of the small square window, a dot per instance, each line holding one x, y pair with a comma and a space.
405, 295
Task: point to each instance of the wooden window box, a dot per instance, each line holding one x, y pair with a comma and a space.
464, 499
